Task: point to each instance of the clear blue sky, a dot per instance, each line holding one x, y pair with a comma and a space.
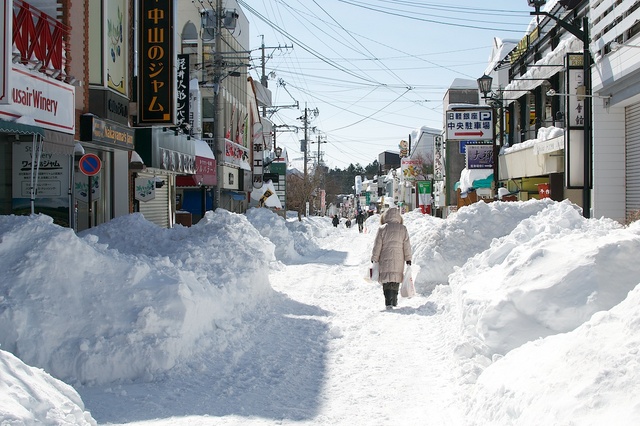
374, 69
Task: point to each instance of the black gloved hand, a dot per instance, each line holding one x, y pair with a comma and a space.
409, 262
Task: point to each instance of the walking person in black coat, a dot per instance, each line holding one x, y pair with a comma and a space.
360, 221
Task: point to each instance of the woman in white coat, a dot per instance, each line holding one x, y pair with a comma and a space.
391, 250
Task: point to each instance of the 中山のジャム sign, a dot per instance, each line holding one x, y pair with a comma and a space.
472, 124
156, 63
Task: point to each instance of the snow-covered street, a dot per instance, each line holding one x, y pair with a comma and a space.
526, 314
323, 347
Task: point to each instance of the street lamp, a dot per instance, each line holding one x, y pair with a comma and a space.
495, 102
583, 35
484, 84
278, 153
536, 3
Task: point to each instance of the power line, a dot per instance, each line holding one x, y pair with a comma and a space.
412, 16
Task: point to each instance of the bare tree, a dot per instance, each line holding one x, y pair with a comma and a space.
301, 191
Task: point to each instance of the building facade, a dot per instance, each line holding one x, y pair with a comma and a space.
556, 110
37, 120
615, 45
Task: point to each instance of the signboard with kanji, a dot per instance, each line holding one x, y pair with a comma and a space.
182, 92
574, 153
479, 157
157, 63
472, 124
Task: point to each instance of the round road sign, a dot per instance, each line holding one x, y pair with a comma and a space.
90, 164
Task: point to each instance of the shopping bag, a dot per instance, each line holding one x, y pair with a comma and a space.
366, 273
407, 289
374, 272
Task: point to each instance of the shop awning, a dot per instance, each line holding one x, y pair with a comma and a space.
58, 143
19, 128
205, 168
53, 142
237, 195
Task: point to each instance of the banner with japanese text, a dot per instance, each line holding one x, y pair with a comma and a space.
156, 63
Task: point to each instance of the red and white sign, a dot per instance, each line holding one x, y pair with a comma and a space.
206, 168
50, 102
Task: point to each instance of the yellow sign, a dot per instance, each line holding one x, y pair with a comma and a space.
268, 193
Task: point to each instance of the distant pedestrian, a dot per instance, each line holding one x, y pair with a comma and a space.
360, 220
348, 223
391, 249
335, 221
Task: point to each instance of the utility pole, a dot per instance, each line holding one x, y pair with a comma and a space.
320, 168
306, 139
263, 79
306, 118
217, 105
319, 153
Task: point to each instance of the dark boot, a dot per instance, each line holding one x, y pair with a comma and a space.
387, 298
394, 297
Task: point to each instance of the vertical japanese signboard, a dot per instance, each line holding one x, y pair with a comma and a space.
156, 63
182, 91
195, 109
258, 155
438, 163
574, 141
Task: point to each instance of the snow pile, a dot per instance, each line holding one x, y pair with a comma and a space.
308, 232
126, 300
501, 297
28, 395
441, 246
273, 228
590, 376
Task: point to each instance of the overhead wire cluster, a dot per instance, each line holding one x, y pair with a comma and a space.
359, 86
